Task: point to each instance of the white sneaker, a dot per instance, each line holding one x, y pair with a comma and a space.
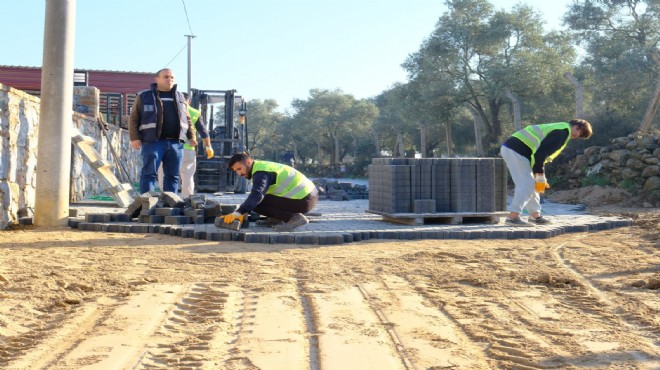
297, 220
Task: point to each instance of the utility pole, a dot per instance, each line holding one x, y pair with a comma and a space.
54, 145
190, 37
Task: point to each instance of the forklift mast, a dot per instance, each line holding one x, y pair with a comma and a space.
225, 114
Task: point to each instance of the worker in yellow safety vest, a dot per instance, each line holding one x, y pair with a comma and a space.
279, 192
526, 152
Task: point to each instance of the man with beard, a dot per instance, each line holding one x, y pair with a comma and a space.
279, 192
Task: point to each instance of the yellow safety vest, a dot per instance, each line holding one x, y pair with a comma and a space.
289, 183
534, 134
194, 116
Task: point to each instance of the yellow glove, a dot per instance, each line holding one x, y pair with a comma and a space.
209, 152
233, 217
540, 183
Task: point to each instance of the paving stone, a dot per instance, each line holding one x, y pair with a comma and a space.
331, 239
177, 220
98, 217
164, 229
74, 222
120, 217
307, 239
199, 234
172, 199
140, 228
168, 211
187, 232
257, 238
282, 238
114, 228
154, 229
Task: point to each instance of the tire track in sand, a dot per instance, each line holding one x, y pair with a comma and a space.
98, 336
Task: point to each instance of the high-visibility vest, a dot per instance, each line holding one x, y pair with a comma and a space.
534, 134
194, 116
289, 183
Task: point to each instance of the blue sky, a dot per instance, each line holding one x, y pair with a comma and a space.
264, 49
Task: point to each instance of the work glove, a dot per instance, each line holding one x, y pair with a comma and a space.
209, 152
540, 183
233, 217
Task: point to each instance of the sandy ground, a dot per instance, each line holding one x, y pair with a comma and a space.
86, 300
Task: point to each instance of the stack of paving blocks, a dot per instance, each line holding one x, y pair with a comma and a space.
437, 185
169, 208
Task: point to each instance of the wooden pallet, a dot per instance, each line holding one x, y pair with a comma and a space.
449, 218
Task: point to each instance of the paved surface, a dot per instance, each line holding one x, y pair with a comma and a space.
346, 221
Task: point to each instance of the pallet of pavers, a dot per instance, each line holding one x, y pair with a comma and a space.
438, 190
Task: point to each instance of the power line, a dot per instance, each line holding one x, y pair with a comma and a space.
177, 54
188, 20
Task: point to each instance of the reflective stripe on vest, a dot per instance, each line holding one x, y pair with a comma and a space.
533, 135
289, 183
194, 116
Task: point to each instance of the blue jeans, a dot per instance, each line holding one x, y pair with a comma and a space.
170, 153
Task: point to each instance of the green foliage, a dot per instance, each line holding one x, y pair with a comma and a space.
629, 185
596, 179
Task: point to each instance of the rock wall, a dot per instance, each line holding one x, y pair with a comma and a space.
19, 129
631, 163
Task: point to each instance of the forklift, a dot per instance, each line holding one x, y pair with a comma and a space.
225, 113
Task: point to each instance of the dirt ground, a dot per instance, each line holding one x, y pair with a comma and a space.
87, 300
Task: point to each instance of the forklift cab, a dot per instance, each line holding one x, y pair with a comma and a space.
225, 114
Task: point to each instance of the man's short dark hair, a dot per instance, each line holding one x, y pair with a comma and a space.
162, 69
238, 157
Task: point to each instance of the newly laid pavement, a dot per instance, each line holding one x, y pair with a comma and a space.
337, 222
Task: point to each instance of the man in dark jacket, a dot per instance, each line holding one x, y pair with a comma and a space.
159, 125
278, 191
526, 153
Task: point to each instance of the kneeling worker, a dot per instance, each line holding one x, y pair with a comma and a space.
278, 191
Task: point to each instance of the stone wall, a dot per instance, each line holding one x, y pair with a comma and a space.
631, 163
19, 128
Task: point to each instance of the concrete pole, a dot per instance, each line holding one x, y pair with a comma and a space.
54, 147
190, 37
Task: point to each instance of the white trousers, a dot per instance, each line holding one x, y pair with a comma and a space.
524, 195
188, 168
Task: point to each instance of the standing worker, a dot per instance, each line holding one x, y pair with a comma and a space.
189, 161
525, 154
159, 125
278, 192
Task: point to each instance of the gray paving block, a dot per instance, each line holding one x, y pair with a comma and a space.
137, 228
98, 217
120, 217
134, 208
307, 239
154, 229
114, 228
177, 220
257, 238
171, 199
168, 211
164, 229
74, 222
282, 238
331, 239
200, 234
348, 238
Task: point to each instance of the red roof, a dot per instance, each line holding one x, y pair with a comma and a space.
29, 78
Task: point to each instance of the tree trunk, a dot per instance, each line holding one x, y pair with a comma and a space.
494, 130
516, 109
655, 99
399, 145
374, 134
579, 95
335, 152
422, 139
448, 139
477, 130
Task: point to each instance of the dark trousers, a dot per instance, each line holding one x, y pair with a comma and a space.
284, 208
170, 153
